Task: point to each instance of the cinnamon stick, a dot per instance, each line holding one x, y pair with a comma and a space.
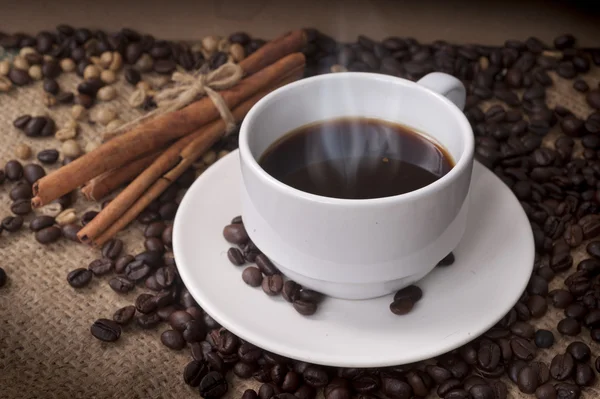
176, 158
102, 185
150, 136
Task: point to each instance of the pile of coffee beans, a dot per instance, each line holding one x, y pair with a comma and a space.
557, 182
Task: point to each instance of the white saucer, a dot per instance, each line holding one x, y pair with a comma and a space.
460, 302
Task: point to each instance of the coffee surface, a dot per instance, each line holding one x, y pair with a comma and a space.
356, 158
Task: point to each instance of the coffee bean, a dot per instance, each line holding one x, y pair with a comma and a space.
194, 372
165, 276
573, 235
569, 326
51, 86
514, 368
179, 319
88, 217
522, 329
272, 285
401, 306
584, 375
447, 261
21, 191
576, 311
132, 76
70, 231
121, 284
527, 380
213, 385
544, 338
566, 69
537, 306
522, 348
124, 315
567, 391
12, 223
572, 126
172, 339
148, 321
411, 292
13, 170
33, 172
265, 265
592, 319
488, 356
561, 262
106, 330
290, 290
167, 237
153, 259
580, 351
546, 391
79, 278
537, 286
19, 77
305, 308
593, 98
101, 266
41, 222
21, 121
21, 207
167, 211
235, 234
252, 276
194, 331
48, 235
562, 366
315, 377
112, 248
235, 256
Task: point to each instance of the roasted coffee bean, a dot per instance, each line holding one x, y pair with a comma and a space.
576, 311
106, 330
447, 261
272, 285
121, 284
401, 306
70, 231
235, 256
593, 98
167, 237
154, 244
194, 331
124, 315
101, 266
51, 86
290, 290
527, 380
252, 276
514, 368
194, 372
268, 391
566, 69
569, 326
488, 356
12, 223
132, 76
33, 172
537, 286
213, 385
112, 248
79, 278
146, 303
235, 234
562, 366
537, 306
305, 308
544, 338
523, 329
573, 235
165, 276
265, 265
592, 319
13, 170
153, 259
561, 298
122, 262
581, 86
21, 121
19, 77
580, 351
584, 375
148, 321
21, 191
438, 374
154, 229
561, 262
178, 319
172, 339
168, 210
48, 235
411, 292
522, 348
137, 270
567, 391
21, 207
309, 295
88, 217
41, 222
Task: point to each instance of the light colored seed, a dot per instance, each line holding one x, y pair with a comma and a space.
67, 216
48, 99
210, 43
78, 112
106, 58
71, 124
484, 63
4, 67
5, 84
67, 65
71, 148
96, 61
138, 97
144, 63
104, 116
27, 50
222, 153
23, 151
89, 147
223, 45
91, 71
35, 72
48, 57
209, 158
20, 63
338, 68
237, 52
114, 125
66, 133
142, 84
108, 76
52, 209
117, 62
107, 93
161, 81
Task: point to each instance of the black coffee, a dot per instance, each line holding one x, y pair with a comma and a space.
355, 158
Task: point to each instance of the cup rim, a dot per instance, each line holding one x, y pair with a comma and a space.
463, 163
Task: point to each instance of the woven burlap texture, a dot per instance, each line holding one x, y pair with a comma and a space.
46, 350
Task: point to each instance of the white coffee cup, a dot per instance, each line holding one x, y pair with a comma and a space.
358, 249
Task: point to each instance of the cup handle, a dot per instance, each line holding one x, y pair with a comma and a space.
446, 85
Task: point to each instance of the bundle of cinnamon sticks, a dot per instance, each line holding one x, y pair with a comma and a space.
153, 154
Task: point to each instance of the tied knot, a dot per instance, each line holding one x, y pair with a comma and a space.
189, 86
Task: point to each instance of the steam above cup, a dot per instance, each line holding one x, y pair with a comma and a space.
358, 249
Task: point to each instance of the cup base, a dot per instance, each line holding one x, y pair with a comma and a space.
350, 291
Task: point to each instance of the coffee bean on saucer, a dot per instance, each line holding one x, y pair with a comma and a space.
79, 278
124, 315
305, 308
252, 276
290, 290
402, 306
237, 220
447, 261
411, 292
235, 256
265, 265
272, 285
106, 330
235, 234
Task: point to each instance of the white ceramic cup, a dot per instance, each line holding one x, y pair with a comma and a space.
358, 249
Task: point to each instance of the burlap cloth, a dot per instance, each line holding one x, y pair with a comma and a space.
46, 350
